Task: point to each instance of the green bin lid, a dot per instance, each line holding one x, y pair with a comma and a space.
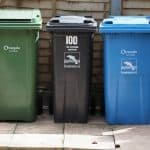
20, 19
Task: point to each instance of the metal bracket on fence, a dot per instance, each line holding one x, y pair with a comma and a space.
116, 7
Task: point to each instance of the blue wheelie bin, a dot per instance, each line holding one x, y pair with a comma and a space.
127, 69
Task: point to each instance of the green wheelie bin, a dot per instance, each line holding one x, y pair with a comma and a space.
19, 34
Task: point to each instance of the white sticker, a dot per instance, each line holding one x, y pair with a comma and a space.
71, 39
129, 66
71, 59
130, 53
11, 49
72, 43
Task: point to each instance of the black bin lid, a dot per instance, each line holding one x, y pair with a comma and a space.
71, 24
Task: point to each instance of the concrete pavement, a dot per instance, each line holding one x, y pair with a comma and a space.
45, 134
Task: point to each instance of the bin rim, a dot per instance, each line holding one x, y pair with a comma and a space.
20, 19
123, 24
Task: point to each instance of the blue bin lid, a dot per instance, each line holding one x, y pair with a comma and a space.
122, 24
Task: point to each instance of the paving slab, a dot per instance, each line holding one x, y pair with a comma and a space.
6, 132
43, 125
132, 137
89, 142
7, 127
87, 129
87, 136
97, 119
5, 140
36, 141
97, 134
41, 134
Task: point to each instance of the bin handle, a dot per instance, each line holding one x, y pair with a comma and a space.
108, 22
54, 21
15, 20
88, 21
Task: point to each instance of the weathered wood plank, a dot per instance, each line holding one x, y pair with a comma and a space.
46, 13
45, 35
8, 3
44, 44
136, 11
79, 6
45, 52
97, 45
96, 15
89, 1
136, 4
97, 55
42, 4
44, 77
97, 70
43, 68
43, 60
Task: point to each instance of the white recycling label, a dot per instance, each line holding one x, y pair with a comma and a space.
71, 59
129, 66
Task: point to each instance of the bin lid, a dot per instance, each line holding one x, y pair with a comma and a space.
71, 24
20, 19
121, 24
